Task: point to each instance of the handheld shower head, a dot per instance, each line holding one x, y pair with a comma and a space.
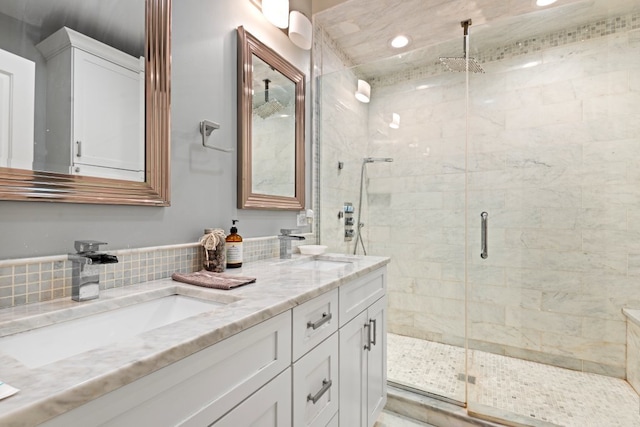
377, 159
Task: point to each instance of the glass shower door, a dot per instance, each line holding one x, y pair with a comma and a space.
552, 158
414, 213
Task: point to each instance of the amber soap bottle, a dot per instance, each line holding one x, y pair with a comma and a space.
234, 247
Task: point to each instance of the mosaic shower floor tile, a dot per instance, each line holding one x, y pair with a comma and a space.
541, 392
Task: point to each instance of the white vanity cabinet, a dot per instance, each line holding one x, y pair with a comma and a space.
363, 349
95, 108
312, 365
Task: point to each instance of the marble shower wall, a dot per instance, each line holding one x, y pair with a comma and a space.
553, 156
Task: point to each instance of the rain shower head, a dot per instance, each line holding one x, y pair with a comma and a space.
377, 159
461, 64
270, 106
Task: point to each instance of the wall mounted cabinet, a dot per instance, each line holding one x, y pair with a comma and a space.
95, 108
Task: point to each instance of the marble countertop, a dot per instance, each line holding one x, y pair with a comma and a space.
58, 387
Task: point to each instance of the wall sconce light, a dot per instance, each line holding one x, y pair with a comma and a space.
276, 12
300, 30
395, 121
363, 94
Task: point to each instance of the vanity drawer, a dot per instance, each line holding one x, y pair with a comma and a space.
361, 293
313, 322
315, 385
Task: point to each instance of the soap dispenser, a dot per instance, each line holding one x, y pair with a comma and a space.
234, 247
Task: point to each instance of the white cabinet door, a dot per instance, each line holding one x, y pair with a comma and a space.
315, 385
352, 372
108, 130
377, 361
268, 407
363, 376
17, 95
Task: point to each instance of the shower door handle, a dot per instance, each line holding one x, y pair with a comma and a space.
483, 235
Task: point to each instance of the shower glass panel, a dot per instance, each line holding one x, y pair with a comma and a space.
412, 208
553, 151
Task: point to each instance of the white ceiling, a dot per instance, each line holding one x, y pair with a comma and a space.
363, 28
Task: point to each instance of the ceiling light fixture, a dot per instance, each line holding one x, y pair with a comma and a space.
276, 12
399, 41
542, 3
363, 94
300, 30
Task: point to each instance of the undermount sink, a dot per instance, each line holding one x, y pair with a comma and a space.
321, 264
54, 342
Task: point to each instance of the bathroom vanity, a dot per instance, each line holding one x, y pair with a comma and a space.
303, 346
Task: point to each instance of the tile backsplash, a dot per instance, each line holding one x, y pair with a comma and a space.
31, 280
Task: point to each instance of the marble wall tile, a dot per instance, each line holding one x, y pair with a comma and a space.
517, 299
534, 116
487, 313
543, 279
633, 355
580, 304
558, 240
605, 106
594, 351
613, 331
564, 324
580, 219
507, 335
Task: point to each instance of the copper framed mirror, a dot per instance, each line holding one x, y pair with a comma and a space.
271, 126
153, 187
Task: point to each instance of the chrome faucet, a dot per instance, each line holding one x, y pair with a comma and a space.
285, 241
85, 282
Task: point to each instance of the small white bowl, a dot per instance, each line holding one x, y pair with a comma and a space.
312, 249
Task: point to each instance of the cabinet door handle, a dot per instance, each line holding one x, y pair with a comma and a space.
326, 385
367, 346
78, 148
373, 340
324, 319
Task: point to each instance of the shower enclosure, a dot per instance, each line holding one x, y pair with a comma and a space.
547, 142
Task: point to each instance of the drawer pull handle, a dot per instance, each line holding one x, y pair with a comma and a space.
315, 325
375, 329
326, 385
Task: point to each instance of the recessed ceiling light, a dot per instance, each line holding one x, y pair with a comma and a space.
399, 41
545, 2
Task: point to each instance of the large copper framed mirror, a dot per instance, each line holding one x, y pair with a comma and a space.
26, 179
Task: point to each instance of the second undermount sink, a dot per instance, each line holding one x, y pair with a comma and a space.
57, 341
322, 264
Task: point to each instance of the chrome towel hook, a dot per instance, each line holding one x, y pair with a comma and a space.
206, 127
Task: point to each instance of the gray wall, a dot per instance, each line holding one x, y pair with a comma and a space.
203, 182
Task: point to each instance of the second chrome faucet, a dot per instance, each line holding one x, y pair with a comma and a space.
286, 237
